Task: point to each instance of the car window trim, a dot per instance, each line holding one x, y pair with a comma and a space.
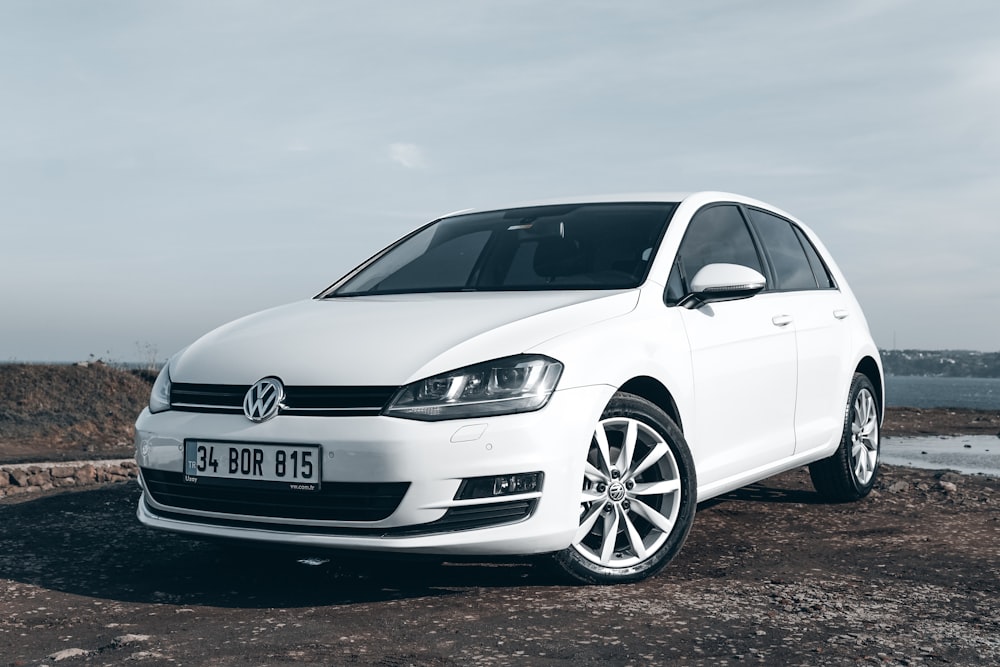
762, 248
764, 264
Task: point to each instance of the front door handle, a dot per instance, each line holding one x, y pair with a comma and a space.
840, 313
781, 320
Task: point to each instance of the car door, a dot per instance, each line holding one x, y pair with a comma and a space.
820, 315
743, 355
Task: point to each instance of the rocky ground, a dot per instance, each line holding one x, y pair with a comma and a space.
769, 575
940, 421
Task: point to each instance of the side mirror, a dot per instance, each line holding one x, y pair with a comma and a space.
723, 282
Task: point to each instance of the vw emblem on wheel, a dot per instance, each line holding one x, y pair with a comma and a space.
263, 399
616, 492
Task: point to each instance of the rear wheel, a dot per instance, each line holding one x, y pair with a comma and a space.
638, 496
850, 473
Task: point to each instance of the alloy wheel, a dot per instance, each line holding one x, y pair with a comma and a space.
864, 436
631, 494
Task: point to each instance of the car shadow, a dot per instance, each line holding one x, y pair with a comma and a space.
768, 492
90, 543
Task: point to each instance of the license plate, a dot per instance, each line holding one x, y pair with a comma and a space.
295, 467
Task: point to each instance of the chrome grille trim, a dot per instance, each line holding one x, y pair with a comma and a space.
309, 401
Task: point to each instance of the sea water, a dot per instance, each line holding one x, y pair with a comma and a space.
942, 392
968, 454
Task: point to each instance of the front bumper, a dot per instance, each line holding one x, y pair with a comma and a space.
428, 460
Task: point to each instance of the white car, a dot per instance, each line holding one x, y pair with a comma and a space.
568, 378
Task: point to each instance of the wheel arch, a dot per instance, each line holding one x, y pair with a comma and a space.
653, 391
870, 369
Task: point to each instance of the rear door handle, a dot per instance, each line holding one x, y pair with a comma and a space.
840, 313
781, 320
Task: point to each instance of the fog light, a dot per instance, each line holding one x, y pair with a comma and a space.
499, 485
524, 483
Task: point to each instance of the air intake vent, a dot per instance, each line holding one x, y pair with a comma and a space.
335, 501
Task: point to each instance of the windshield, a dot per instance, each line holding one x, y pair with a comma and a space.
578, 246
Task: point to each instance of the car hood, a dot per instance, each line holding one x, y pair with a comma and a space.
388, 339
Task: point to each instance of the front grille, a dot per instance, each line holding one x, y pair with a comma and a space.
301, 401
335, 501
207, 397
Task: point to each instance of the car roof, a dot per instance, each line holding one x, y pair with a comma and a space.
582, 199
698, 198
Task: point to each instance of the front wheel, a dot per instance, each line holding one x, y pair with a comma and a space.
638, 496
850, 473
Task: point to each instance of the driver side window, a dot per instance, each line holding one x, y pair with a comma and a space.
717, 234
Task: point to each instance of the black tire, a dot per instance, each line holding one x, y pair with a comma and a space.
851, 472
639, 499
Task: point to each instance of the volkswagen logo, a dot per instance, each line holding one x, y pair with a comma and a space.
616, 492
263, 400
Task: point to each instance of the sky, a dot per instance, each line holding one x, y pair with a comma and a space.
167, 167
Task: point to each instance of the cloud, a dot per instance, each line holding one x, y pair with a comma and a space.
407, 155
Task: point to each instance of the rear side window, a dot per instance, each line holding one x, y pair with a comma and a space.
792, 268
716, 235
823, 277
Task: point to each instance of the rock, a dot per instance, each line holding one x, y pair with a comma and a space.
40, 479
898, 487
60, 472
949, 487
4, 479
949, 476
86, 475
130, 639
67, 653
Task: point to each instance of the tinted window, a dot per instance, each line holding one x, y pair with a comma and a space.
441, 265
823, 277
791, 266
578, 246
716, 235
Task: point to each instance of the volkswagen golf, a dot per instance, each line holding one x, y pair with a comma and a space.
567, 378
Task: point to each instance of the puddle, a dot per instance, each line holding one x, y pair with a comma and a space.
968, 454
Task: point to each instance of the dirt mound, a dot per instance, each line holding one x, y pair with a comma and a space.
60, 412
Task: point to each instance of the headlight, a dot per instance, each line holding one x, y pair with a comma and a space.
159, 397
513, 384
